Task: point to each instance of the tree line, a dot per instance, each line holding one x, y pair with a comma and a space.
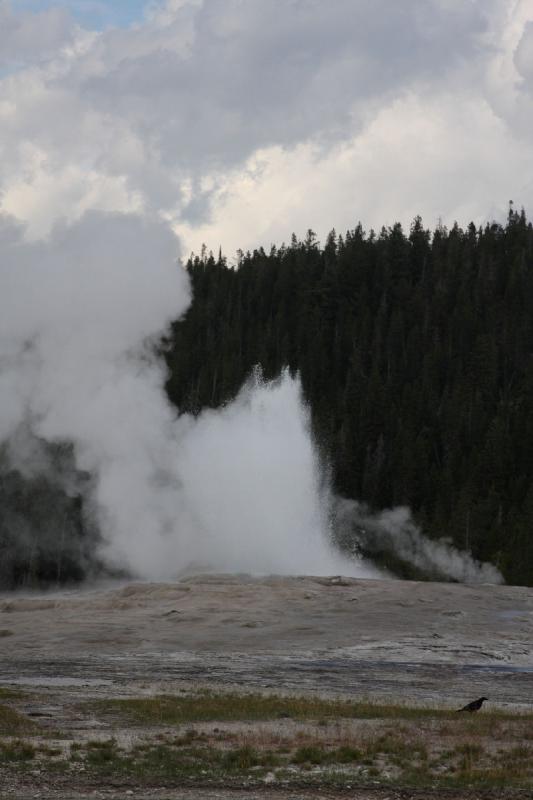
415, 351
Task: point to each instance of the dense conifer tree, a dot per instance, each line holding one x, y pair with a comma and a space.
416, 356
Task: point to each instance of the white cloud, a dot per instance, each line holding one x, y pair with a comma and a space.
173, 115
436, 155
31, 37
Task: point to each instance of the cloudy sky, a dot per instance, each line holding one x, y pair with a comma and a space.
240, 121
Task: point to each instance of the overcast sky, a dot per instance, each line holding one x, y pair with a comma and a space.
240, 121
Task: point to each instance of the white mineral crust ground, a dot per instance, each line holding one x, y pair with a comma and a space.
403, 641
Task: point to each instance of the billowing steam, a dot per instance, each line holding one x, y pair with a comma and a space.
235, 490
253, 483
394, 531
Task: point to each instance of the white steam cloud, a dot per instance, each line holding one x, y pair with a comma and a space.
237, 490
394, 530
251, 472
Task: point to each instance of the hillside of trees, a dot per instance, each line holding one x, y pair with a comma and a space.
415, 351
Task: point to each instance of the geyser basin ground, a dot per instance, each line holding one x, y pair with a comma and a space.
387, 641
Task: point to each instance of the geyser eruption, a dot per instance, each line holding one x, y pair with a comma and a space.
237, 489
252, 479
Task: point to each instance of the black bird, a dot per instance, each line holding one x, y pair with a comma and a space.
475, 705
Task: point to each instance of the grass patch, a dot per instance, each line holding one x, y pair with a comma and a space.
318, 755
171, 760
311, 754
398, 749
100, 753
17, 750
389, 760
233, 707
12, 723
402, 746
11, 694
469, 755
243, 758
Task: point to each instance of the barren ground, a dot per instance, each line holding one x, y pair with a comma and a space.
383, 641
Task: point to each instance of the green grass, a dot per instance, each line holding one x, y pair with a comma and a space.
389, 760
17, 750
203, 762
172, 760
102, 753
12, 723
311, 754
210, 706
318, 754
11, 694
232, 707
405, 746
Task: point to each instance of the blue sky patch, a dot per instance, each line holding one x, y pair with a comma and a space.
93, 14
